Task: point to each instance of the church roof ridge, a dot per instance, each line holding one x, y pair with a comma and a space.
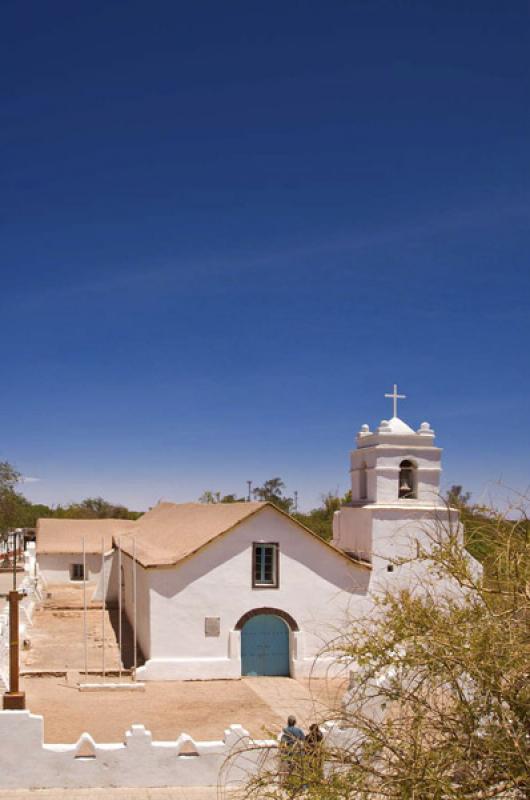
180, 530
170, 532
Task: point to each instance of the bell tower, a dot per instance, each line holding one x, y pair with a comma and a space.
395, 464
395, 480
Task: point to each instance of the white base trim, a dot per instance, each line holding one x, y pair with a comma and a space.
207, 669
111, 687
189, 669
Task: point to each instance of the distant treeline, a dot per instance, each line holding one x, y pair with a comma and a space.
90, 508
319, 519
16, 511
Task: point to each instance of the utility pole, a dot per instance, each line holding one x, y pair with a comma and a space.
249, 483
14, 699
296, 501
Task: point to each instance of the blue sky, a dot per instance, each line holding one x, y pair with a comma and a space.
226, 229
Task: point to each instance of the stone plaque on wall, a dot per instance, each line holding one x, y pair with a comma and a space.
212, 626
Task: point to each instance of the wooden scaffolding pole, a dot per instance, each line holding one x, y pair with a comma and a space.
103, 607
85, 625
134, 610
120, 612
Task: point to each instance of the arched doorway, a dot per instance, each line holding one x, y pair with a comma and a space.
265, 646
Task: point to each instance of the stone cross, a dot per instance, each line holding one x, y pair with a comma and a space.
395, 397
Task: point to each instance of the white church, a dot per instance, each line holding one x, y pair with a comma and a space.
230, 589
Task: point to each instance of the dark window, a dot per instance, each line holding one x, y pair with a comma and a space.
77, 572
265, 565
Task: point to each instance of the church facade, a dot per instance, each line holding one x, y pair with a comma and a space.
224, 590
262, 595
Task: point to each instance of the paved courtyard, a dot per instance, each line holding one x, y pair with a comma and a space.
57, 634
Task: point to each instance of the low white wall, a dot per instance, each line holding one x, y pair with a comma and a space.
137, 762
4, 650
31, 596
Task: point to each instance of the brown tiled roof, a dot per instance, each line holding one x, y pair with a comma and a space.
165, 535
66, 535
172, 531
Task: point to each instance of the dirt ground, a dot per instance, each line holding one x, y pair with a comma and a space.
57, 634
173, 793
202, 709
54, 664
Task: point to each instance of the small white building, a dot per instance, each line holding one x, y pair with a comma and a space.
227, 589
62, 542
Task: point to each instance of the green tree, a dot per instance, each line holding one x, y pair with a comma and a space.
16, 511
476, 520
215, 497
457, 498
10, 499
98, 508
272, 491
439, 699
93, 508
320, 519
232, 498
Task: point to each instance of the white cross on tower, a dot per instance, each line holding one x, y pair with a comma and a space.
395, 397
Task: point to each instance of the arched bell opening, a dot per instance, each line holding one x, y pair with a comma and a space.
408, 483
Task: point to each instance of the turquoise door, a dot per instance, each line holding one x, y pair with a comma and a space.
265, 646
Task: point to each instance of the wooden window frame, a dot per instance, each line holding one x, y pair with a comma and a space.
276, 562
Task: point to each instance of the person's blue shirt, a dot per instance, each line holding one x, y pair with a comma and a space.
291, 733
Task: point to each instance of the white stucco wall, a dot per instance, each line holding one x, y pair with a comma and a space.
56, 568
143, 599
392, 532
352, 531
318, 588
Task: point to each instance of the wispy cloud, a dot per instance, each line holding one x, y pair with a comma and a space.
199, 270
30, 479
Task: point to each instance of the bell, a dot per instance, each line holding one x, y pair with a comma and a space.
404, 487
